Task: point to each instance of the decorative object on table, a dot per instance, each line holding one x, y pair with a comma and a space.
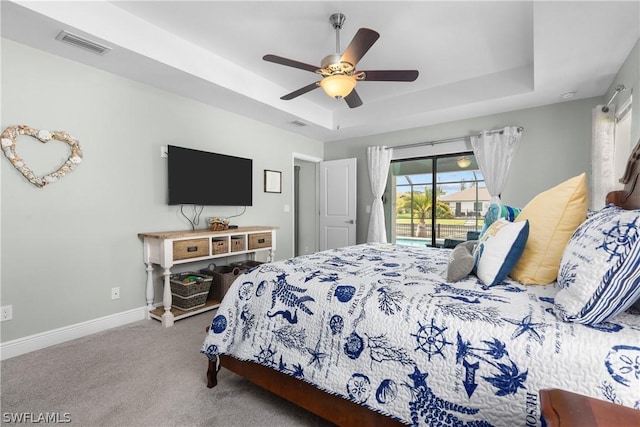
272, 181
8, 141
218, 224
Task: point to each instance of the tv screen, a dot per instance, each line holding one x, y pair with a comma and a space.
210, 179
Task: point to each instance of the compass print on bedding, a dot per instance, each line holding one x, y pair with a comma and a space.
431, 339
620, 238
266, 356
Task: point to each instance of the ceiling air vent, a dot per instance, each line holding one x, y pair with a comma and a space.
83, 43
298, 123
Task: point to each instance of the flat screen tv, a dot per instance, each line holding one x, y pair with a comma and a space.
209, 179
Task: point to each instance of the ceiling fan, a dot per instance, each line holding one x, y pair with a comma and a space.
339, 71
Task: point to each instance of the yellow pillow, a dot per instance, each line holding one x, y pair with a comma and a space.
553, 217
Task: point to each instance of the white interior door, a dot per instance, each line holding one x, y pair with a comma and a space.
337, 203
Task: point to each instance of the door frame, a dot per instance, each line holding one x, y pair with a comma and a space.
307, 158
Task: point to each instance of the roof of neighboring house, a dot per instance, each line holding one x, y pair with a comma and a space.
468, 195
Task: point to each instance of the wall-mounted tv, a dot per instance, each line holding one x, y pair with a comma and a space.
209, 179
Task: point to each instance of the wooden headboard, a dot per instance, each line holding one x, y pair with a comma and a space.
629, 198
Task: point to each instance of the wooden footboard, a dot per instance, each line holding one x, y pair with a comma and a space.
332, 408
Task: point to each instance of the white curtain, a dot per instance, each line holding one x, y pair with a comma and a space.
603, 177
379, 159
494, 152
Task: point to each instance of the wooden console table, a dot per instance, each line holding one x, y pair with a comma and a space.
564, 408
167, 249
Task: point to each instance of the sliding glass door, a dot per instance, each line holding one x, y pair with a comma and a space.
436, 200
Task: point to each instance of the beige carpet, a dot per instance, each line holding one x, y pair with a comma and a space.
138, 375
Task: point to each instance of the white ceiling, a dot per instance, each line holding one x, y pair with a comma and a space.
474, 58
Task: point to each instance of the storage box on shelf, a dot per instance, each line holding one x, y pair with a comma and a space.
237, 243
219, 245
259, 240
192, 248
167, 249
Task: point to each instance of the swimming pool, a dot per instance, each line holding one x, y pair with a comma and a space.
415, 241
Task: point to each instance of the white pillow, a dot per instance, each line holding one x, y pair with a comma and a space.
599, 274
499, 250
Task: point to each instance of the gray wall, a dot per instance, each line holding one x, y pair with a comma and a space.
66, 245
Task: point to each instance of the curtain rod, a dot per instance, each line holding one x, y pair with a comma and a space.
617, 90
460, 138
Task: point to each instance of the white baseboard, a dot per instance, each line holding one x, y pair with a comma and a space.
42, 340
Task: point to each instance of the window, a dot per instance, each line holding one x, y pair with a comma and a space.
436, 198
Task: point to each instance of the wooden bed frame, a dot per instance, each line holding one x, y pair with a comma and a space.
346, 413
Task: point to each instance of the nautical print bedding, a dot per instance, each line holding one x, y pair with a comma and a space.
378, 324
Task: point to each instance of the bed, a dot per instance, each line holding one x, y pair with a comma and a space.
374, 334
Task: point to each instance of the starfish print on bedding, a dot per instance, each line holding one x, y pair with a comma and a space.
316, 355
527, 326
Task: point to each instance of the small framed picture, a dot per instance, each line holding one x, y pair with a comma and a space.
272, 181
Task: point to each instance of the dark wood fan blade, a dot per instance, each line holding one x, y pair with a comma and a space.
361, 43
300, 91
353, 99
390, 75
290, 63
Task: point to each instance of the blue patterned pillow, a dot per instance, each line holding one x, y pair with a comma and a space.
599, 274
495, 212
499, 250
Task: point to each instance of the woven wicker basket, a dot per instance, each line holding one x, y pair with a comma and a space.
189, 284
219, 245
189, 303
223, 277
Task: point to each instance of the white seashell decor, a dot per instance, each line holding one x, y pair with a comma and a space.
8, 141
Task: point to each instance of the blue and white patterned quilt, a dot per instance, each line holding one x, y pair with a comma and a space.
379, 325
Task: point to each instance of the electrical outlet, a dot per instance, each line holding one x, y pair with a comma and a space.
6, 313
115, 293
164, 152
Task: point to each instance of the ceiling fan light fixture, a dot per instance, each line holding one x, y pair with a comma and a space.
338, 85
463, 162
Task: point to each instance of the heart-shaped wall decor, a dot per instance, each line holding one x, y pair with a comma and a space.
8, 143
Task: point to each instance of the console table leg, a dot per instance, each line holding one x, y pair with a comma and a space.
149, 288
167, 316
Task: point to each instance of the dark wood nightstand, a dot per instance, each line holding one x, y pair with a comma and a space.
567, 409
